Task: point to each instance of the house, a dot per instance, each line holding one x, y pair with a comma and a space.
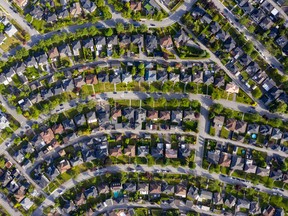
130, 151
127, 77
243, 204
31, 62
129, 114
137, 40
276, 134
198, 12
205, 195
91, 192
250, 167
231, 124
265, 130
197, 77
53, 54
79, 120
103, 188
189, 115
100, 42
51, 17
232, 88
184, 151
63, 166
155, 189
20, 194
229, 44
221, 35
140, 115
124, 40
135, 6
213, 156
152, 115
68, 85
237, 163
63, 13
206, 19
181, 38
88, 6
168, 189
262, 171
91, 117
68, 124
130, 187
245, 60
88, 44
115, 78
240, 127
276, 175
225, 159
193, 193
230, 201
116, 151
47, 136
217, 198
19, 68
164, 115
158, 152
112, 41
151, 76
185, 77
143, 151
75, 9
173, 77
79, 81
103, 77
169, 152
151, 43
166, 42
176, 116
21, 3
269, 211
65, 51
219, 82
69, 207
214, 27
76, 46
266, 23
26, 203
218, 122
2, 38
247, 7
91, 79
252, 68
58, 128
257, 15
162, 76
181, 190
36, 12
232, 67
143, 188
9, 74
252, 129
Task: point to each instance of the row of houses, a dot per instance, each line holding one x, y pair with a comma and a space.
220, 156
99, 148
252, 130
185, 196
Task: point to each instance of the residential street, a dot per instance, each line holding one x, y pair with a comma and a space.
17, 17
8, 208
263, 51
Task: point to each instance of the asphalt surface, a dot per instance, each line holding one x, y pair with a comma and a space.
8, 207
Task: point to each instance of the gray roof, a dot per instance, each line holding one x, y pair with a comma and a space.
88, 43
80, 120
112, 40
151, 43
100, 40
137, 39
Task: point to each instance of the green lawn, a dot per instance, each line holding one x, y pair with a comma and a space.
224, 133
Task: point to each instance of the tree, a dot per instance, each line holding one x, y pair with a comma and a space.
169, 69
54, 118
80, 108
248, 48
130, 28
141, 66
256, 93
133, 71
143, 28
217, 108
108, 32
195, 104
185, 102
162, 101
275, 122
149, 101
100, 3
278, 107
91, 104
119, 27
174, 103
2, 27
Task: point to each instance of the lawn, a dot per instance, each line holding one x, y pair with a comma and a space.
9, 43
224, 133
212, 131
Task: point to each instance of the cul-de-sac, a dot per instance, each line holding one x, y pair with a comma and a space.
143, 107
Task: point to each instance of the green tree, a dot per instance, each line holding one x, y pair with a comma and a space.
133, 71
119, 27
150, 101
130, 28
162, 101
2, 27
217, 108
257, 93
54, 118
278, 107
185, 102
143, 28
108, 32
